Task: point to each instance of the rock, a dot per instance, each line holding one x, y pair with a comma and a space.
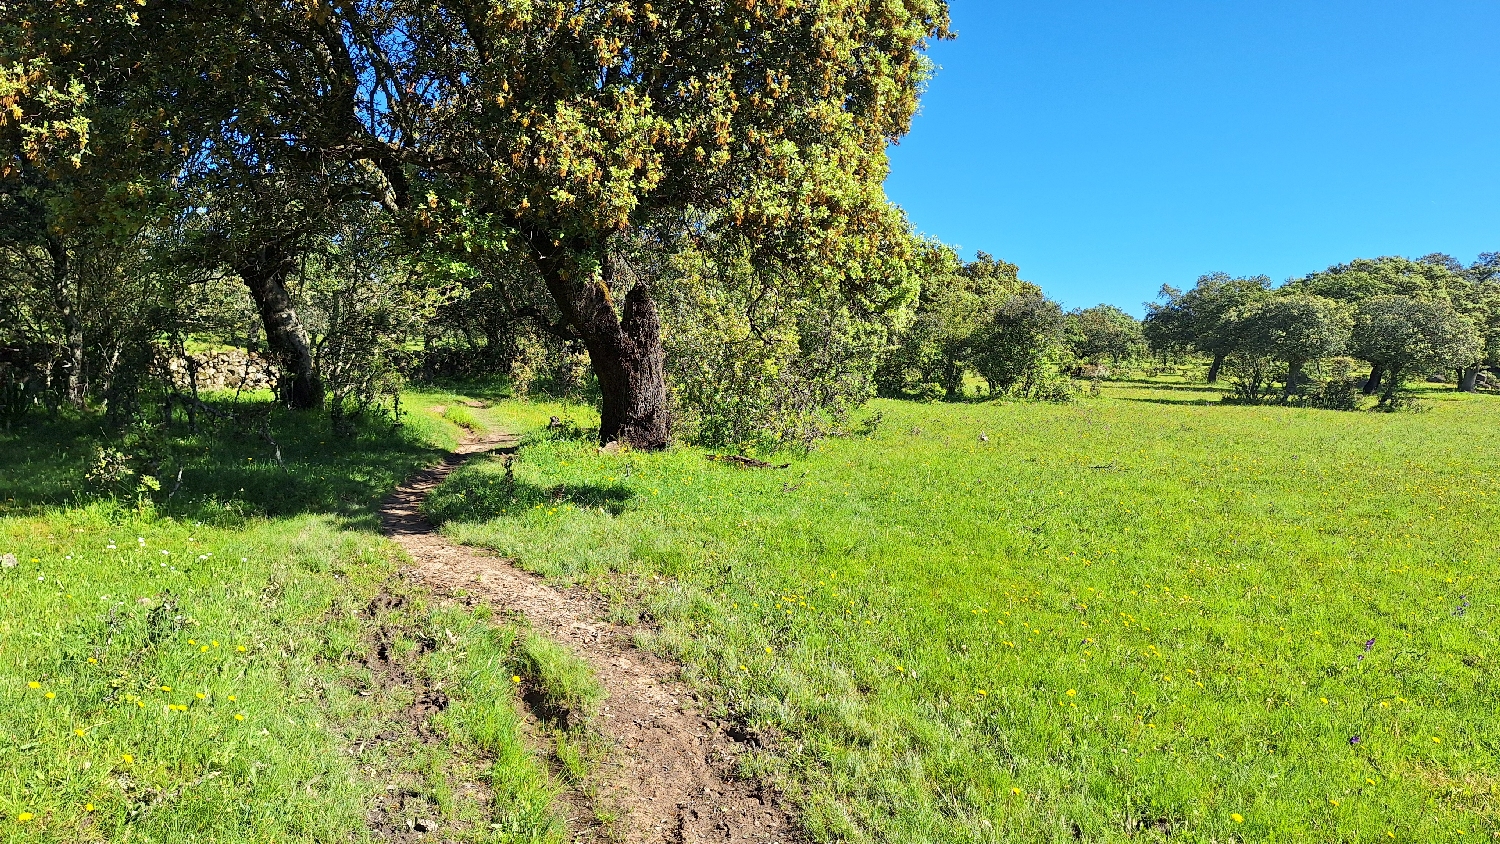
8, 561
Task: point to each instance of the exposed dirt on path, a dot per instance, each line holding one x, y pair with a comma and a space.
669, 773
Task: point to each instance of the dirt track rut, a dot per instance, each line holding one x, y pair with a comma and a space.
668, 776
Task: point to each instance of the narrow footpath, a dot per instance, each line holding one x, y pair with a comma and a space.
669, 777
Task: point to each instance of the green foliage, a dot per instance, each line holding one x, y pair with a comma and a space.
1104, 332
975, 316
1011, 348
1339, 389
901, 618
1292, 328
1251, 378
1401, 333
1366, 278
1201, 319
768, 359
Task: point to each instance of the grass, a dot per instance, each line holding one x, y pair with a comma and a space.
243, 662
1139, 616
563, 685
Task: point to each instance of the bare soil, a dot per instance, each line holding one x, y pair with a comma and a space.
668, 777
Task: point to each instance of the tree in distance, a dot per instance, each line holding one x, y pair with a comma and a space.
1104, 332
1200, 319
1010, 348
1400, 333
939, 347
1293, 329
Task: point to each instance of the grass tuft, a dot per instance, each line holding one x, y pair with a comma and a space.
558, 685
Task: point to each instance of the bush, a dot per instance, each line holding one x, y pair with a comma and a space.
1250, 378
1342, 390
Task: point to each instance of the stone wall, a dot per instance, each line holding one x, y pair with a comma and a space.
231, 369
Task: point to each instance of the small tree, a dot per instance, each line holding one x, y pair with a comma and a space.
1400, 333
1201, 319
1013, 345
1104, 332
1293, 329
1430, 278
957, 300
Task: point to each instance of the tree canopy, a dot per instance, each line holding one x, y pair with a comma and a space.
565, 140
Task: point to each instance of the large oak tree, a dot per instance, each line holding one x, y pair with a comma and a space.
555, 128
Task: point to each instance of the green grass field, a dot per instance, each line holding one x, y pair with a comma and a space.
244, 663
1137, 617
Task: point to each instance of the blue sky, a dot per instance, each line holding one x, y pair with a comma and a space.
1108, 148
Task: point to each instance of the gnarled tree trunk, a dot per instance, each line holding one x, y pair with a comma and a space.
1294, 377
1213, 369
1373, 382
264, 270
625, 350
1392, 384
1468, 380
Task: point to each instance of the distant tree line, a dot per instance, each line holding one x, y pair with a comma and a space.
979, 319
1403, 318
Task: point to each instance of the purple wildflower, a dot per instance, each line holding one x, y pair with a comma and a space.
1354, 740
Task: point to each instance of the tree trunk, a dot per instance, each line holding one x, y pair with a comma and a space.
1392, 384
1468, 380
953, 381
1373, 382
264, 271
1294, 377
1213, 369
68, 299
625, 350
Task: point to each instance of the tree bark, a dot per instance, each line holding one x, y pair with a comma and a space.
1468, 381
264, 270
1293, 377
68, 300
1373, 382
625, 351
1213, 369
1392, 384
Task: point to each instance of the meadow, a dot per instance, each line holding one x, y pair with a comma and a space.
1141, 616
244, 661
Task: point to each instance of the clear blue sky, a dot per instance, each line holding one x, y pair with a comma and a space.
1108, 148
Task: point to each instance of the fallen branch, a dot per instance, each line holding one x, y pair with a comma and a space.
745, 462
265, 434
175, 486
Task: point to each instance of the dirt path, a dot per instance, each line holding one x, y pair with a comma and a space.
669, 773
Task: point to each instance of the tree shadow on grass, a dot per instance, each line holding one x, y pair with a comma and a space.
1182, 402
484, 496
229, 470
1176, 388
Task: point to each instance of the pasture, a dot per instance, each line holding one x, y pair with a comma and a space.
245, 663
1140, 616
